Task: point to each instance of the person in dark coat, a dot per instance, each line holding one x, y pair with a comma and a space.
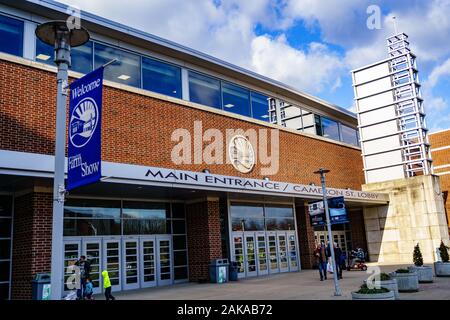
85, 269
338, 263
321, 258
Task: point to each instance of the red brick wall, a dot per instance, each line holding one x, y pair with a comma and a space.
440, 158
305, 237
203, 237
137, 130
32, 241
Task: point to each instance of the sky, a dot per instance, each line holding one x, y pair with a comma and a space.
311, 45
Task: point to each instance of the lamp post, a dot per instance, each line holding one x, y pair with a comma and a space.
337, 289
62, 37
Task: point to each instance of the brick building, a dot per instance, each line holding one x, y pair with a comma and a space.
154, 219
440, 149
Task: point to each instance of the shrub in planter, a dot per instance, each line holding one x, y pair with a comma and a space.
442, 268
364, 293
407, 280
386, 281
424, 273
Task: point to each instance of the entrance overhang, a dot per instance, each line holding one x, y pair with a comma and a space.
39, 165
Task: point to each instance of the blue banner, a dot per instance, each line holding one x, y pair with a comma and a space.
336, 208
85, 110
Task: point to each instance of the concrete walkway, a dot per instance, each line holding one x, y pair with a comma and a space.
303, 285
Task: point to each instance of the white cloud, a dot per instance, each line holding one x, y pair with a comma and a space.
314, 70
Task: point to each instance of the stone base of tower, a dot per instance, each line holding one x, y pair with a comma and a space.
415, 214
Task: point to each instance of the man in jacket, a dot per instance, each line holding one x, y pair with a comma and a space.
321, 258
84, 269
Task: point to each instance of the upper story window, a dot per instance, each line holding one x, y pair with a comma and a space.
204, 90
11, 36
330, 129
349, 135
236, 99
260, 106
126, 70
81, 57
161, 77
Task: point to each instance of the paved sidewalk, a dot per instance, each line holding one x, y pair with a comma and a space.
303, 285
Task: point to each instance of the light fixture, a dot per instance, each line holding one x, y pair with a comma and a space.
229, 105
266, 178
206, 171
265, 116
311, 184
123, 77
42, 56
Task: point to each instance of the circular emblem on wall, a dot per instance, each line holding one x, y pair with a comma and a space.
83, 122
241, 153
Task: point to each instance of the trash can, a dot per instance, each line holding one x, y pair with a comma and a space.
218, 270
233, 271
41, 286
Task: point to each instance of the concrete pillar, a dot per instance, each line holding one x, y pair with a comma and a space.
357, 230
306, 239
415, 214
203, 236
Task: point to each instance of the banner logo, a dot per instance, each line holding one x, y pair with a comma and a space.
83, 122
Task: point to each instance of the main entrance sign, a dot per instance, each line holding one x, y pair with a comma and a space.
84, 146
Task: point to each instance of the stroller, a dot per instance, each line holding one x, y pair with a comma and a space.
356, 260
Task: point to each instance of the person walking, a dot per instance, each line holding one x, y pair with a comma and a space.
321, 259
338, 264
107, 286
85, 269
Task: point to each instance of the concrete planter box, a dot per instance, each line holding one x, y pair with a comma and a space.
442, 269
390, 285
424, 273
378, 296
406, 282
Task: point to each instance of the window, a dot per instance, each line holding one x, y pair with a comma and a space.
161, 77
260, 106
81, 56
235, 99
5, 245
330, 129
204, 90
144, 217
248, 217
318, 124
126, 70
349, 135
279, 217
11, 36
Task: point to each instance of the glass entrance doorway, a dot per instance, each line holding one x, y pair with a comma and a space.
262, 253
132, 262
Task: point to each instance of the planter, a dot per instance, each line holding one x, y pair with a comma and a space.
442, 269
390, 285
377, 296
406, 282
424, 273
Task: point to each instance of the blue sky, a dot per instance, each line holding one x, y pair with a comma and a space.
309, 44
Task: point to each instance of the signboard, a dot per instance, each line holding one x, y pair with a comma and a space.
85, 109
336, 208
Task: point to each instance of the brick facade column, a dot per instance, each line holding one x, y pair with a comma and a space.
305, 233
32, 241
203, 237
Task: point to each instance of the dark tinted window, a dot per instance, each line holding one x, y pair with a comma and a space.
279, 211
92, 208
260, 106
91, 227
145, 210
81, 56
349, 135
11, 36
204, 90
236, 99
330, 129
180, 273
161, 77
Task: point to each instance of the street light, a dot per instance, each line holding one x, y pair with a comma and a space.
337, 289
62, 37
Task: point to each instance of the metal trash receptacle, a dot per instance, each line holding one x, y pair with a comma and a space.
218, 270
41, 286
233, 271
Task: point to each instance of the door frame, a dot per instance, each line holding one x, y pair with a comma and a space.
104, 262
161, 282
288, 234
262, 234
246, 263
147, 284
69, 241
84, 243
269, 234
136, 285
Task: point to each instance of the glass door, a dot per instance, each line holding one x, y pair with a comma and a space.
250, 254
238, 253
282, 251
148, 261
293, 255
164, 260
263, 267
111, 262
273, 252
92, 251
72, 252
130, 273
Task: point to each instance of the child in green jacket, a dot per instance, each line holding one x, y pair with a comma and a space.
107, 286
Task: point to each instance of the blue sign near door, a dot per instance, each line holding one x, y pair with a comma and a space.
84, 145
336, 208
